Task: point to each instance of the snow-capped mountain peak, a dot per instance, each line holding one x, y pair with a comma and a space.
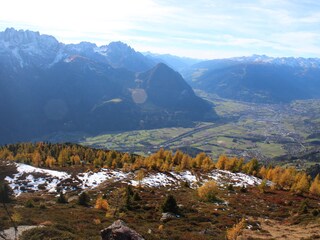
31, 49
289, 61
28, 48
20, 38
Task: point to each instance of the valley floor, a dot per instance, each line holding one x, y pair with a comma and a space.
268, 132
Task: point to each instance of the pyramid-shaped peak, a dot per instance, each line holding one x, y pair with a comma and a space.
163, 68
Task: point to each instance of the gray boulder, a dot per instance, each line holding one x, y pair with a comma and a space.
120, 231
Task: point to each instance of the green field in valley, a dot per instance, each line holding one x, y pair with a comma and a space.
264, 131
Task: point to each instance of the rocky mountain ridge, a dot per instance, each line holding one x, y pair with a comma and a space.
27, 48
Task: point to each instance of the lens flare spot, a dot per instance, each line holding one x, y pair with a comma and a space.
139, 95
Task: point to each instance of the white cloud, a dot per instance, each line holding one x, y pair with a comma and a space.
299, 43
189, 28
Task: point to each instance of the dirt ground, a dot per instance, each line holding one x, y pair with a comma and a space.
271, 229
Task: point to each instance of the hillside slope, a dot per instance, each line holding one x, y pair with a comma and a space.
79, 197
258, 78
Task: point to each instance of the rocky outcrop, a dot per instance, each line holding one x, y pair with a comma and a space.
120, 231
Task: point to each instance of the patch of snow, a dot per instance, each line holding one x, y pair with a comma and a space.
289, 61
103, 50
167, 179
26, 180
90, 179
94, 179
52, 186
24, 168
223, 177
16, 53
29, 179
60, 55
186, 176
156, 180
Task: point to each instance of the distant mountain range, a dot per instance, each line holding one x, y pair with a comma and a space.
258, 78
47, 86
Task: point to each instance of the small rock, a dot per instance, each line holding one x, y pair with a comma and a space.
120, 231
167, 216
207, 232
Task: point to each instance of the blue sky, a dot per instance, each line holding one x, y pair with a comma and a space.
194, 28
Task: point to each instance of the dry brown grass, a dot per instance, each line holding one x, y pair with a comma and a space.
271, 229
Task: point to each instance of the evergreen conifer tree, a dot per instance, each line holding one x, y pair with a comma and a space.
170, 205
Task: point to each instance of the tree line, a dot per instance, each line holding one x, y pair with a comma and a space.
64, 155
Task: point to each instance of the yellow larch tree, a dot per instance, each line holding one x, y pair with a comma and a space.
50, 161
301, 184
222, 162
36, 159
208, 191
287, 178
315, 186
207, 164
231, 164
102, 204
234, 232
263, 172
